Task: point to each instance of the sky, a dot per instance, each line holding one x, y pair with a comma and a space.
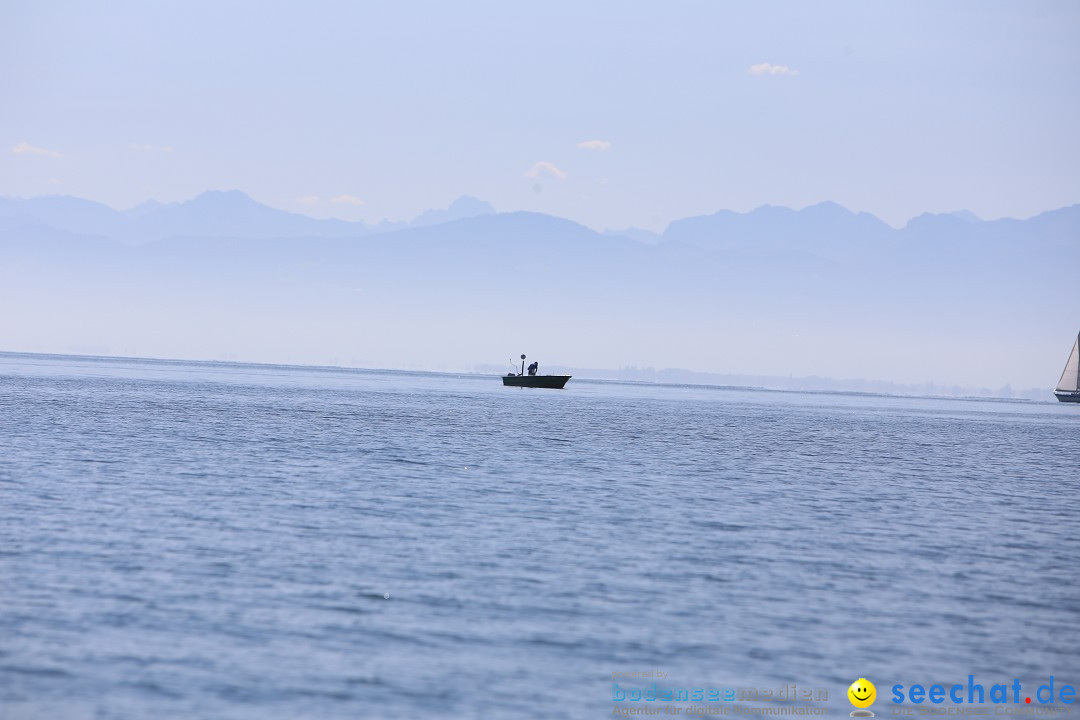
613, 114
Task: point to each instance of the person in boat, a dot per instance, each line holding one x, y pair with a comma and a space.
533, 368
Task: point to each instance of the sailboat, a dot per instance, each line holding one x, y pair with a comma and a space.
1068, 387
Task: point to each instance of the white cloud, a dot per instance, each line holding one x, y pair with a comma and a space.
545, 168
143, 147
347, 200
769, 69
25, 148
594, 145
310, 200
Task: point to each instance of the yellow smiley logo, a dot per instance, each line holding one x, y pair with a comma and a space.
862, 693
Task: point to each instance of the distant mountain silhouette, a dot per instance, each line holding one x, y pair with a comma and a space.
145, 208
644, 236
62, 212
232, 214
212, 214
966, 215
464, 207
825, 228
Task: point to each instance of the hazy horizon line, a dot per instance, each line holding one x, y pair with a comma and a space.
489, 370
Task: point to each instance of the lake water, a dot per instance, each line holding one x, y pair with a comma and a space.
205, 540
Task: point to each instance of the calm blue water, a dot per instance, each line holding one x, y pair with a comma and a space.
200, 540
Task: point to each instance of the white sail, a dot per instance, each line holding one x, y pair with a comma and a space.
1070, 379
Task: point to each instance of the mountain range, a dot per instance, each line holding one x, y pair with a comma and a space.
821, 291
212, 214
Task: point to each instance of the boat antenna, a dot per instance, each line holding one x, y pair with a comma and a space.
522, 363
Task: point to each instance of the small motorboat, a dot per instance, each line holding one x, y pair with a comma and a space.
534, 379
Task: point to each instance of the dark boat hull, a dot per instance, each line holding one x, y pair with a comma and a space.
1065, 396
555, 382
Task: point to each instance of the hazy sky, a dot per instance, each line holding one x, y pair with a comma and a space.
612, 114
